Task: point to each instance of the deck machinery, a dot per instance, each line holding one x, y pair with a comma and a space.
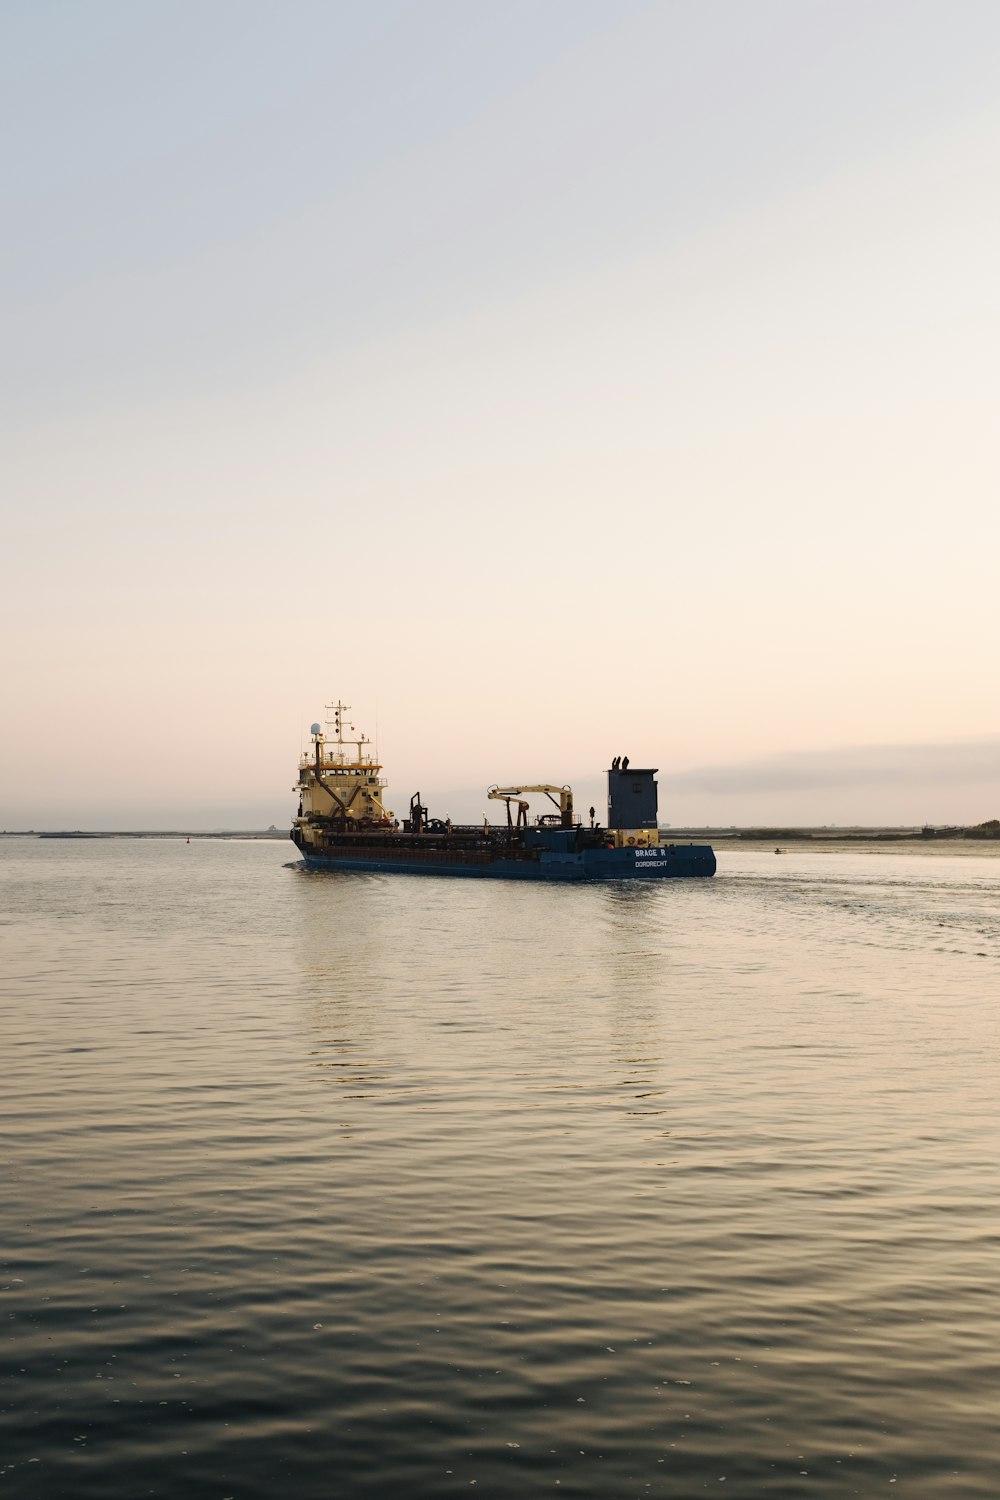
342, 823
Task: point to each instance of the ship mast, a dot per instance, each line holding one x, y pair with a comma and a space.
339, 711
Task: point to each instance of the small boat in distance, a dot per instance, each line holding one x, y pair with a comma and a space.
342, 823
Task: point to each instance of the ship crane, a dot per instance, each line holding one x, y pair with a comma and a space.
560, 796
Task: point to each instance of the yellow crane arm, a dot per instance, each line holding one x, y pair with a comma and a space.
561, 796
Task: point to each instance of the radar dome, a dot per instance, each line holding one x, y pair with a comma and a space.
314, 729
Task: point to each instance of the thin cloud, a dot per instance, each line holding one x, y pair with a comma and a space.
961, 763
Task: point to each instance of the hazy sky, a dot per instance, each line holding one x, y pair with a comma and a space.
555, 379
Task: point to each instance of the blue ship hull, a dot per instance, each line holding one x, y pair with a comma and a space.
670, 861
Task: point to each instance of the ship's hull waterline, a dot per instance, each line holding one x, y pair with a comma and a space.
664, 863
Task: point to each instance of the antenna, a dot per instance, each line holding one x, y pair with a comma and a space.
338, 710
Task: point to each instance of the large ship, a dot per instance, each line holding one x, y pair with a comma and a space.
343, 824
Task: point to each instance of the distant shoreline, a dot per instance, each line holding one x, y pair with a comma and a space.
144, 833
976, 833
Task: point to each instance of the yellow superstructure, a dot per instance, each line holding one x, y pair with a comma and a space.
339, 779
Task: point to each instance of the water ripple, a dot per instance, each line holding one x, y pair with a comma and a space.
325, 1184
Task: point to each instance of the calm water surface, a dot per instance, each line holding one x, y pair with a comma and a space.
344, 1185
